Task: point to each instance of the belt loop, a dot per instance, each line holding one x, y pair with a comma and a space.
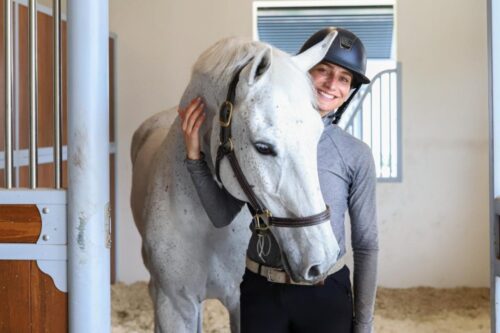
260, 269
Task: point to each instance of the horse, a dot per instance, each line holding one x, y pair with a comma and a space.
275, 131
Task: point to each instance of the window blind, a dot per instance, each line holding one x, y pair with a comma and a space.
288, 28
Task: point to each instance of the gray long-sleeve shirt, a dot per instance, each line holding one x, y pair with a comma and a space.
347, 179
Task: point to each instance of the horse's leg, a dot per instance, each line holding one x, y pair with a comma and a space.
174, 313
232, 304
200, 319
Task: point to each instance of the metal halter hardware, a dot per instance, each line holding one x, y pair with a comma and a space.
261, 215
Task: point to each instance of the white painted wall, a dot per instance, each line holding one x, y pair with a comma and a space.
433, 225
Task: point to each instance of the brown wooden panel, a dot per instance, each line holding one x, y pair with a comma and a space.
19, 224
49, 306
15, 296
23, 55
24, 177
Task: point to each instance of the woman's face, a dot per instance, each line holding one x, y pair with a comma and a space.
332, 84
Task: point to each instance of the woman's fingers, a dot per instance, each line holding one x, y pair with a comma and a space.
199, 121
191, 118
190, 108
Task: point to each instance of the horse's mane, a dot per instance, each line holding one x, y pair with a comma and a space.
219, 62
226, 55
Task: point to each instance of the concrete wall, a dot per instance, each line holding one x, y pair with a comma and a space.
433, 225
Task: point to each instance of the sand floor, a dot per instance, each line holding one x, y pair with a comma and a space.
415, 310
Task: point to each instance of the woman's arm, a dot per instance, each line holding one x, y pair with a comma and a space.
362, 211
220, 206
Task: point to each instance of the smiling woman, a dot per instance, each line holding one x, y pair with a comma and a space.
333, 84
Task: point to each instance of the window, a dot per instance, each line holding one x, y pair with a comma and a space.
374, 114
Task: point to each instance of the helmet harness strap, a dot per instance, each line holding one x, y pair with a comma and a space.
340, 111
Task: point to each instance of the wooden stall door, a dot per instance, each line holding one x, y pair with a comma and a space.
29, 300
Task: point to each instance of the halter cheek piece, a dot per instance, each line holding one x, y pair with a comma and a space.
263, 218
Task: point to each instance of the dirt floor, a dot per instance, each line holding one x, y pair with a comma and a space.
415, 310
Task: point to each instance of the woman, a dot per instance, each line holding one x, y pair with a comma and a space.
347, 177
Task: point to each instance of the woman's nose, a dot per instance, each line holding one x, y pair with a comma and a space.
330, 82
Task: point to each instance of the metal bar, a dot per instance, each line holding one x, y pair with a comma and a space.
493, 24
371, 119
16, 92
381, 129
361, 111
390, 125
19, 251
399, 117
25, 196
88, 189
8, 92
45, 156
57, 94
33, 79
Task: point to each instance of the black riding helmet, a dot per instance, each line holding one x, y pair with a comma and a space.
347, 51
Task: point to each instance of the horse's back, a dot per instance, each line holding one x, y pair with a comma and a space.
145, 143
159, 122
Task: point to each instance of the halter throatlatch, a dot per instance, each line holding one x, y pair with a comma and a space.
262, 216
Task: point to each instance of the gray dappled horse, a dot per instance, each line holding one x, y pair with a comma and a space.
190, 260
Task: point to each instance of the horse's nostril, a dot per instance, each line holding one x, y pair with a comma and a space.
314, 271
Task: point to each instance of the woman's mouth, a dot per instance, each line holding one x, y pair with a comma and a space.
326, 95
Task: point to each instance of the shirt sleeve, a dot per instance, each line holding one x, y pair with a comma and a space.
220, 206
364, 233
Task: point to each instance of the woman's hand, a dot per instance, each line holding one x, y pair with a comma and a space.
192, 118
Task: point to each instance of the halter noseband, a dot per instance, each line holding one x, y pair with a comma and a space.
262, 216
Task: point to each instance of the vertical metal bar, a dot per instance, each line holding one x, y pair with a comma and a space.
8, 92
16, 95
390, 124
399, 117
381, 128
361, 119
33, 79
371, 118
493, 18
88, 167
57, 94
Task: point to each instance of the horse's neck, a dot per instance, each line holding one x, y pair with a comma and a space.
214, 92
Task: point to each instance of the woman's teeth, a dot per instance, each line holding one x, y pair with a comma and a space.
324, 94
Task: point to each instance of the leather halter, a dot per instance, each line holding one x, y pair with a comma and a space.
262, 216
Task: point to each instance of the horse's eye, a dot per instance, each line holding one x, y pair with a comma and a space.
265, 148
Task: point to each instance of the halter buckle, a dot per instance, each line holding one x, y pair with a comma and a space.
227, 146
261, 220
225, 114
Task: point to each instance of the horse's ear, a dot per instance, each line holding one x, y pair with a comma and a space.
259, 66
307, 59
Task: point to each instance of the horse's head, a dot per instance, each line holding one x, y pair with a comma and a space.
275, 132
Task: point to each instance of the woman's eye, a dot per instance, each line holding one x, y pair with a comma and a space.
265, 148
320, 70
346, 80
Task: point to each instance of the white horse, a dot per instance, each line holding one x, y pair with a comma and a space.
275, 129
